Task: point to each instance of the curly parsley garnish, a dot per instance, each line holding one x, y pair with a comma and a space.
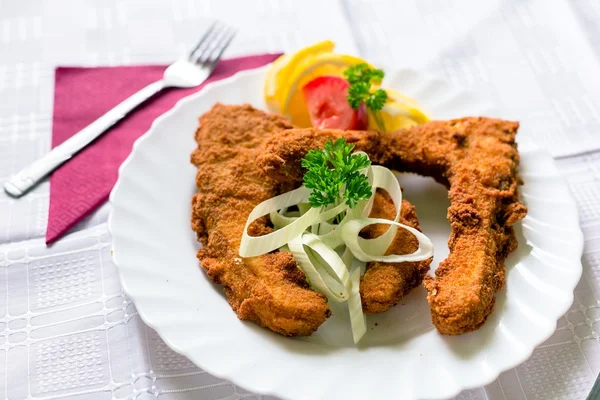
334, 175
361, 77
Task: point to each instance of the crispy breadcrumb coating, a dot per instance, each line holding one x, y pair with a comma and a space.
271, 290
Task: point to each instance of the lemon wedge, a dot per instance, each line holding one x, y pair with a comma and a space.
399, 112
279, 72
270, 90
288, 74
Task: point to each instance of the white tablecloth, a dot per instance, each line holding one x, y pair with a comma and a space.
67, 329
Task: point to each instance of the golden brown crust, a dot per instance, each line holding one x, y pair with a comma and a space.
384, 284
478, 159
269, 290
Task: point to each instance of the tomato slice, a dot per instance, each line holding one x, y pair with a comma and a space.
328, 106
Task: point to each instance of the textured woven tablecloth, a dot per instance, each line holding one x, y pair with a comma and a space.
66, 328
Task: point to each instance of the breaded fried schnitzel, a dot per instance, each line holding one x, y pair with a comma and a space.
477, 159
270, 290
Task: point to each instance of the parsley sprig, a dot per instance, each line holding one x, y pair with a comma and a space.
361, 77
334, 175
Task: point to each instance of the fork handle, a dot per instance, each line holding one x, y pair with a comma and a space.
30, 175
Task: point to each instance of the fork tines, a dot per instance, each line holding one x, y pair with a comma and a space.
212, 45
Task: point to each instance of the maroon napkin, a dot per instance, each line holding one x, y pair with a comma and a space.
84, 94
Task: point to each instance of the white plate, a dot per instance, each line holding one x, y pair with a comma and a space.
401, 356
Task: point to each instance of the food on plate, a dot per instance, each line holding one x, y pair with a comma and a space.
334, 204
288, 207
288, 74
268, 289
291, 73
477, 159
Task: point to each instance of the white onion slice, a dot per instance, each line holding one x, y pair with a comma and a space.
347, 257
304, 207
384, 178
358, 321
356, 244
252, 246
334, 265
333, 238
319, 280
279, 219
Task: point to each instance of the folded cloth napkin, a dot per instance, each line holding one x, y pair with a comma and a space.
81, 96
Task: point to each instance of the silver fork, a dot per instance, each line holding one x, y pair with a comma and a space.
184, 73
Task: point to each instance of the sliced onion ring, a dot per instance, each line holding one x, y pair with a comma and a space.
334, 264
318, 278
252, 246
385, 179
356, 244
